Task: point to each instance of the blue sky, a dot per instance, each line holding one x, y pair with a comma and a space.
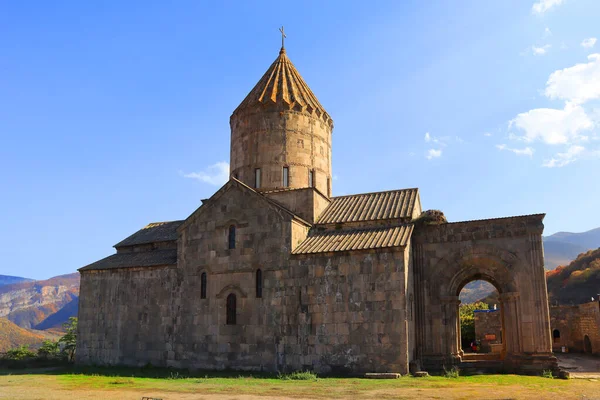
491, 108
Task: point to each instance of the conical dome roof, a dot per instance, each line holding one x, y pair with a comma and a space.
282, 86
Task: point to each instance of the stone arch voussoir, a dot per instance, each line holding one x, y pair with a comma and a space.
479, 262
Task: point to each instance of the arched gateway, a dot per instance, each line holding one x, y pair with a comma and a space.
506, 252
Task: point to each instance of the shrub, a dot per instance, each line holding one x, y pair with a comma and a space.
49, 350
453, 372
431, 217
547, 374
19, 353
299, 376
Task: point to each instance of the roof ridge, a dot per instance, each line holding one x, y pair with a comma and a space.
491, 219
367, 193
165, 222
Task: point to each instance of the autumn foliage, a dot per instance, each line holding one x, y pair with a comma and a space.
577, 282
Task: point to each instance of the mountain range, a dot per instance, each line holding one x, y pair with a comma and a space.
564, 247
31, 311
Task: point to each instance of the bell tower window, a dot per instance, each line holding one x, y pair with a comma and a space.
311, 178
257, 178
286, 177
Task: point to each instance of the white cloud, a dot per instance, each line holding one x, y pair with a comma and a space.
432, 153
216, 174
562, 159
552, 126
589, 42
547, 32
442, 140
487, 134
527, 151
540, 51
544, 5
578, 83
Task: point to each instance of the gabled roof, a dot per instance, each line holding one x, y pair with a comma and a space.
355, 239
152, 258
233, 181
282, 85
394, 204
151, 233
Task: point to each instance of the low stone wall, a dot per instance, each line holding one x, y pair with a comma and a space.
576, 328
488, 330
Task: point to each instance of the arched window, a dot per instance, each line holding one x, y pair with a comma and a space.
556, 335
258, 283
203, 285
231, 309
232, 237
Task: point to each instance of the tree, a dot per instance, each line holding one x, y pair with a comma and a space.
467, 321
69, 340
49, 350
19, 353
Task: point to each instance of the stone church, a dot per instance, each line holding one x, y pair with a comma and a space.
273, 273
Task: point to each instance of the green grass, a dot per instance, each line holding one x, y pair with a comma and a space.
300, 384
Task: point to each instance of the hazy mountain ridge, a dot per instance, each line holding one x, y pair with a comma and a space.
9, 280
564, 247
28, 304
589, 239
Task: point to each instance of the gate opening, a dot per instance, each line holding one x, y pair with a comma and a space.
481, 327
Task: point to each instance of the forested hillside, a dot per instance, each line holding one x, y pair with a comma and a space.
577, 282
12, 336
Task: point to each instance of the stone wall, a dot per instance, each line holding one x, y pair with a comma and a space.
307, 203
126, 316
572, 324
352, 312
271, 140
488, 328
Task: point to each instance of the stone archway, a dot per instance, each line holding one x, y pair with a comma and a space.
480, 263
506, 252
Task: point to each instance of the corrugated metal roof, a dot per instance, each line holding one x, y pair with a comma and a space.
153, 232
394, 204
355, 239
135, 259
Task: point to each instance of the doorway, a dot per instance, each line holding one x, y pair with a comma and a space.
481, 325
587, 344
